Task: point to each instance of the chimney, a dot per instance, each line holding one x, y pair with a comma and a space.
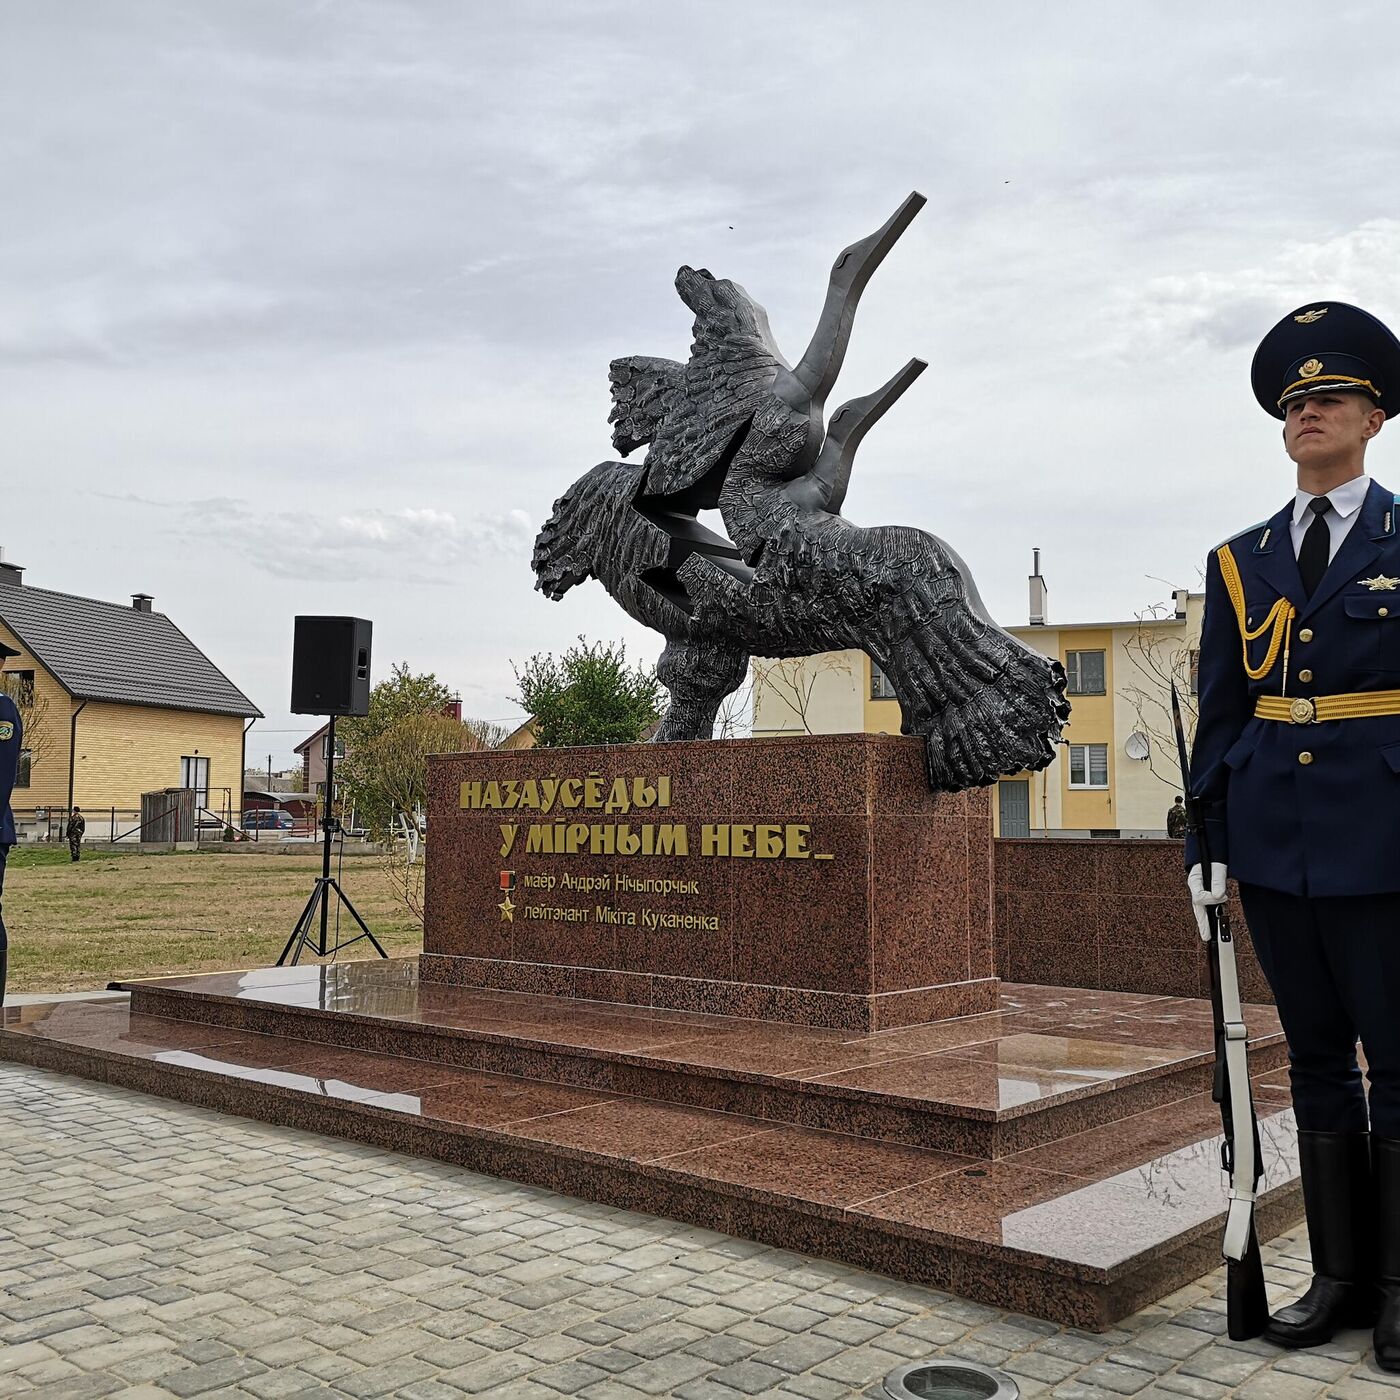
1039, 594
1179, 597
11, 574
142, 602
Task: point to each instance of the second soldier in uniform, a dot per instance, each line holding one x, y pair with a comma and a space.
1297, 764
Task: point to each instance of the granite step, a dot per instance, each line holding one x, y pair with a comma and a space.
1052, 1062
1083, 1230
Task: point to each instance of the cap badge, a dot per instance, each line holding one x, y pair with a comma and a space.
1308, 317
1380, 584
1310, 368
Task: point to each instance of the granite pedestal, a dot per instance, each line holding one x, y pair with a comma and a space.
814, 879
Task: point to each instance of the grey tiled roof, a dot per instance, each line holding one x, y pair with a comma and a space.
105, 651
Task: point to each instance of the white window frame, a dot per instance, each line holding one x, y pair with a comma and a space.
1074, 677
881, 687
192, 766
1088, 785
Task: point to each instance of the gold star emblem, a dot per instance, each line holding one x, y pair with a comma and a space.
1309, 368
1308, 317
1380, 584
507, 910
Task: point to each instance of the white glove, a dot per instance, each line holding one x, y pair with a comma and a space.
1202, 898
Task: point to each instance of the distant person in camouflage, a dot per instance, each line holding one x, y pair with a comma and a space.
1176, 820
74, 832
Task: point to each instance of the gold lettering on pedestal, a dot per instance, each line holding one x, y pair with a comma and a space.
720, 840
607, 915
621, 795
603, 914
760, 841
592, 793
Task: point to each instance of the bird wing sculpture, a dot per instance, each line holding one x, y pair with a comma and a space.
738, 429
692, 414
645, 392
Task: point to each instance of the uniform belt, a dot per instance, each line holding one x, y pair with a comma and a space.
1363, 705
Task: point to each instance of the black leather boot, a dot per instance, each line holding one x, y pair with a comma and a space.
1387, 1166
1339, 1199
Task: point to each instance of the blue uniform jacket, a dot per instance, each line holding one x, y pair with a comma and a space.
11, 740
1309, 809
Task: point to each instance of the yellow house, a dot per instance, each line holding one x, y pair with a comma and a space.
118, 702
1116, 773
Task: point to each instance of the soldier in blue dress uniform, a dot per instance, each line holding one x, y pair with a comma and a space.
11, 741
1297, 766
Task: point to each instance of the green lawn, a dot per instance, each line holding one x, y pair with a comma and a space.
75, 927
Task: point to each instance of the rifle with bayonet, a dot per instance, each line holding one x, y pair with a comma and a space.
1246, 1303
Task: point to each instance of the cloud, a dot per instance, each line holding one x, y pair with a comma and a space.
412, 545
314, 302
1231, 309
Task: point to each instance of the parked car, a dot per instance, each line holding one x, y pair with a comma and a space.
272, 820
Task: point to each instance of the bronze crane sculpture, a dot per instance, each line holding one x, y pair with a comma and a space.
736, 428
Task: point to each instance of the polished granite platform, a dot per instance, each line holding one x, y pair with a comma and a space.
1059, 1155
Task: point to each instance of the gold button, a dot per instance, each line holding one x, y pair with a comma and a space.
1305, 635
1382, 612
1305, 758
1305, 675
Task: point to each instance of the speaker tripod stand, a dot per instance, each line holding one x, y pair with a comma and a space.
327, 888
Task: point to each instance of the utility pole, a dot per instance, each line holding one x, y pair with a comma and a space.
269, 772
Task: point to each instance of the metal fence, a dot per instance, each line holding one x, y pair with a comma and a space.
216, 819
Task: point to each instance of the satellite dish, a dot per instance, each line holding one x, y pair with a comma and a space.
1138, 746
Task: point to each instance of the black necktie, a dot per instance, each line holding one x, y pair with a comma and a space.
1316, 550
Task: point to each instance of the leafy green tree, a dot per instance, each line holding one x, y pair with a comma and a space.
382, 757
402, 694
588, 695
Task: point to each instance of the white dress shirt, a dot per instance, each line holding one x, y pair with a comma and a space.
1346, 505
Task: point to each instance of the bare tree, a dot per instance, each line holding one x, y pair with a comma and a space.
1162, 657
33, 716
393, 773
491, 733
406, 879
734, 719
792, 681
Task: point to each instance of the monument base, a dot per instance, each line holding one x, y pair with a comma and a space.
1060, 1157
803, 1006
813, 879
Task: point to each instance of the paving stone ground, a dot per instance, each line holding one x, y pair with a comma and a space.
151, 1249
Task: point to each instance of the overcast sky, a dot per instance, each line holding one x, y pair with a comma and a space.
308, 307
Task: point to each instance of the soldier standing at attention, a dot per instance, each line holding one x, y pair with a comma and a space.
1176, 819
11, 741
1297, 765
75, 829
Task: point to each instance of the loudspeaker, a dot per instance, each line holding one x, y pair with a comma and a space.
330, 666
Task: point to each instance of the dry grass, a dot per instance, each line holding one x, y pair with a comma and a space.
76, 927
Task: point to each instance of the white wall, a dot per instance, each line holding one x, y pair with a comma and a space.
809, 695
